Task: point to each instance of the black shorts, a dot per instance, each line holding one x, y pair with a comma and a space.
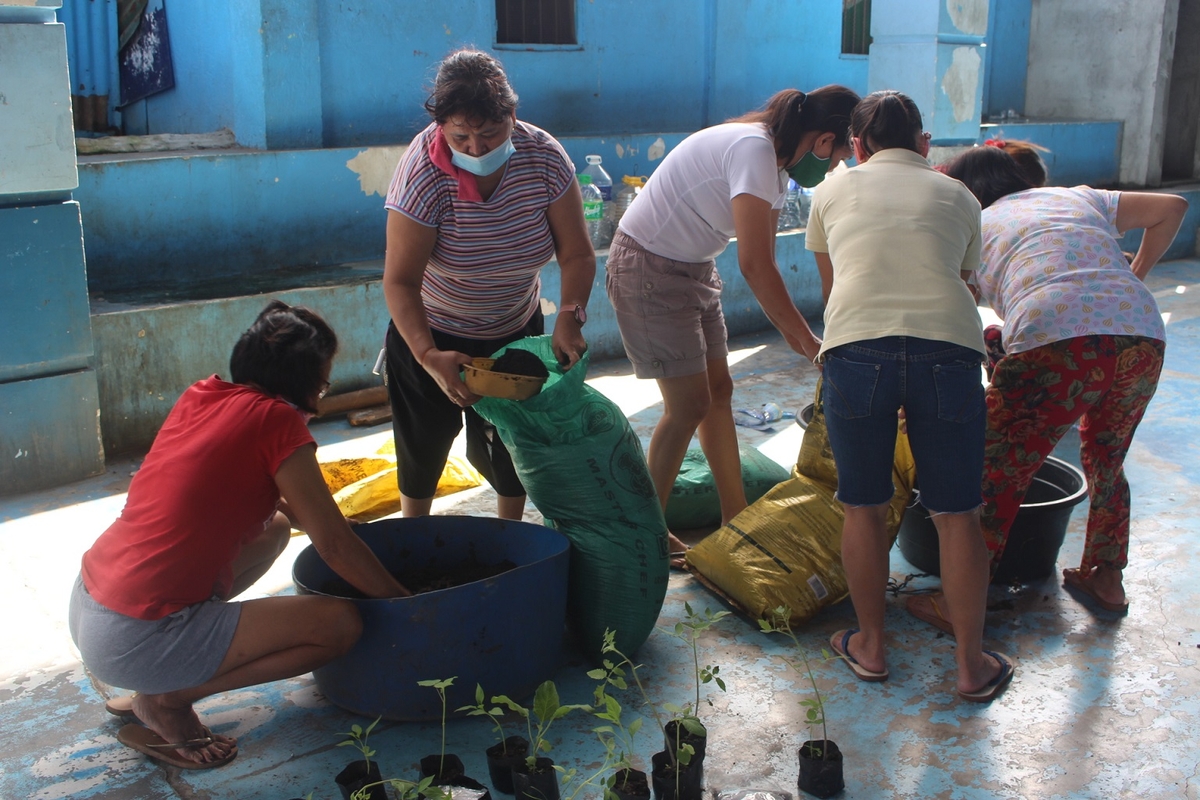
425, 422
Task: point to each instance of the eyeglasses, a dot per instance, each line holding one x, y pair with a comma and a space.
324, 390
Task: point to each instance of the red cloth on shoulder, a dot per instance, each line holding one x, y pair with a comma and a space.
206, 486
441, 156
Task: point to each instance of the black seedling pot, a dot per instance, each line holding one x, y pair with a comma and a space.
502, 757
820, 768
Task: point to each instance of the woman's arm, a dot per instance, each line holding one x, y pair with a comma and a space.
304, 490
577, 263
409, 245
1160, 214
756, 258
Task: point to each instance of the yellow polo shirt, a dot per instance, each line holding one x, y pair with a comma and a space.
898, 233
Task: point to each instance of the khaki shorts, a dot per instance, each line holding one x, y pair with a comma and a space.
669, 312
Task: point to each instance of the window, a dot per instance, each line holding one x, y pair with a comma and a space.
535, 22
856, 27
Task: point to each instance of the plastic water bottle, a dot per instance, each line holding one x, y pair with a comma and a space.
602, 181
593, 211
631, 185
789, 215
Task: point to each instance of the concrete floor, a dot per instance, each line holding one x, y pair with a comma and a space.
1101, 706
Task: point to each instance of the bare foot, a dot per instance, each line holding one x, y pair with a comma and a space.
177, 722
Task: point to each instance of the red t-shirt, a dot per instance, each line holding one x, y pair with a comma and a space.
206, 486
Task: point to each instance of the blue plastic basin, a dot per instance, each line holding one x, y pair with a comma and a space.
504, 633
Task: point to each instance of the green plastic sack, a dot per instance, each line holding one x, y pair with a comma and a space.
694, 502
584, 470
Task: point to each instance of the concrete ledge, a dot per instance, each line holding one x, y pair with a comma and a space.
147, 353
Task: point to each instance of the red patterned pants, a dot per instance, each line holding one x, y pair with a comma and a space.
1105, 383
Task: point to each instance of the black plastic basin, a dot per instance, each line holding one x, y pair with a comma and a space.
1035, 537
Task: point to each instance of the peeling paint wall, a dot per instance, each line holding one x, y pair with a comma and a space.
1108, 60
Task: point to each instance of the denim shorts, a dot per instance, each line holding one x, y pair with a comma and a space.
668, 312
940, 387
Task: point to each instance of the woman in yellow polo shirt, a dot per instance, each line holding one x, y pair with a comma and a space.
894, 241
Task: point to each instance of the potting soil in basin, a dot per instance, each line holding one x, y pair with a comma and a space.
503, 631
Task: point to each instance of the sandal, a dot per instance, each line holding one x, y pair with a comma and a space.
149, 743
936, 617
1074, 579
988, 692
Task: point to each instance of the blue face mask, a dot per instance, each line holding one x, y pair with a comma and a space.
485, 164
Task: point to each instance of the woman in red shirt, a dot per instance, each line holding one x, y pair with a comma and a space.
232, 470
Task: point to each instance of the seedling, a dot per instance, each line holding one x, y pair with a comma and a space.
814, 707
357, 738
617, 737
480, 709
545, 711
688, 630
440, 686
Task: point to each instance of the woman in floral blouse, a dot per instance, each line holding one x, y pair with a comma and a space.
1083, 342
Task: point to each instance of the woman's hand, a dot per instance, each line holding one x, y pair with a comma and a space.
445, 367
567, 341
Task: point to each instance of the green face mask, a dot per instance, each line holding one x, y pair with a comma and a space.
809, 170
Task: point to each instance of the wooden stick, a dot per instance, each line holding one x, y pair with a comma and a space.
348, 401
370, 416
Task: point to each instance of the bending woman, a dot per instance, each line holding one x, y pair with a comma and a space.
895, 242
479, 204
232, 470
1083, 342
724, 181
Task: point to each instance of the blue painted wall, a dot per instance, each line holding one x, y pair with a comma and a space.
334, 73
1007, 57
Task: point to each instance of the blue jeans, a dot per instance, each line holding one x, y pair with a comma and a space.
940, 387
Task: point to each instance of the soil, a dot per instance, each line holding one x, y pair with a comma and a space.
430, 579
516, 361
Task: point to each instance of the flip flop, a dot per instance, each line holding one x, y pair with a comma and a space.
988, 692
840, 642
937, 618
1073, 579
121, 706
149, 743
678, 559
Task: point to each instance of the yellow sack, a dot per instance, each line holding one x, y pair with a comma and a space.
365, 487
785, 549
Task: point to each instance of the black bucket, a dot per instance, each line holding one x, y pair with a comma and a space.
1035, 537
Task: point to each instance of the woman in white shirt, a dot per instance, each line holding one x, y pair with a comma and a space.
724, 181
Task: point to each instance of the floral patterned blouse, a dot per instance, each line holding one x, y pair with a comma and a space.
1052, 269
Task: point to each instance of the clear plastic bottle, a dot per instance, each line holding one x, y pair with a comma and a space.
789, 215
593, 211
600, 179
603, 181
632, 184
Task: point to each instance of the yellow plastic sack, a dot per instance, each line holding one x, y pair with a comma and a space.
785, 549
365, 487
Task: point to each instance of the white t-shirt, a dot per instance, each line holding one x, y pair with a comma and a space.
899, 235
685, 210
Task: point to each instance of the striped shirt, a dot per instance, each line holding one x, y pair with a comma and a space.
483, 280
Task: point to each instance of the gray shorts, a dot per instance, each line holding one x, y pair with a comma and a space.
669, 312
179, 651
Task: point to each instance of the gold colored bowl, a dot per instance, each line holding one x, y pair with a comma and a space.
481, 380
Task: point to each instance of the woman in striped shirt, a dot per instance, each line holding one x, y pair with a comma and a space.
480, 202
